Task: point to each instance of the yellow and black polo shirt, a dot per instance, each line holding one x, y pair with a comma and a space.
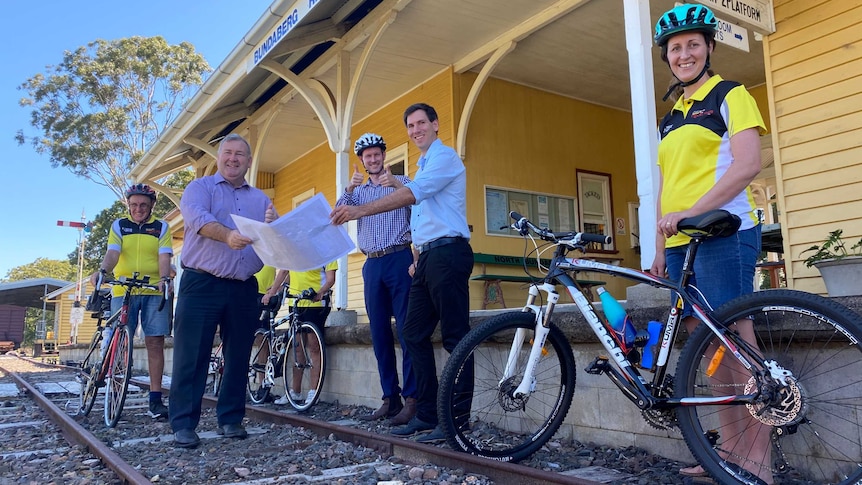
694, 151
139, 246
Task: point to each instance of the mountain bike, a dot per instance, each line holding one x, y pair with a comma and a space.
215, 374
797, 379
286, 349
108, 361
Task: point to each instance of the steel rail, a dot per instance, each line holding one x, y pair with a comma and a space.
77, 434
408, 450
411, 451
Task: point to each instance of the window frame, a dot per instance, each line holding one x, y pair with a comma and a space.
543, 209
587, 182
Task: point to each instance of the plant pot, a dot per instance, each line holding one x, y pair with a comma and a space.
843, 277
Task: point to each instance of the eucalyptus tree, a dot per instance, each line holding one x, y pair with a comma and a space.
100, 109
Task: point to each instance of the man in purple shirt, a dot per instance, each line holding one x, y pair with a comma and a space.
217, 289
385, 240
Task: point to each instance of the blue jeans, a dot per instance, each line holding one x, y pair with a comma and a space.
146, 309
723, 267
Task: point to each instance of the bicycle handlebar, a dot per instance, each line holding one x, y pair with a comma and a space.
524, 226
136, 282
308, 294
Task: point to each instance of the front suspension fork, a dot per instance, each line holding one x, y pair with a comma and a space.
540, 335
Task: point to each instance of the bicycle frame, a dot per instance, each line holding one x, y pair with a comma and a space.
277, 343
115, 321
628, 379
95, 373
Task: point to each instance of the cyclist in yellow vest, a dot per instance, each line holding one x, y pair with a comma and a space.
314, 312
141, 243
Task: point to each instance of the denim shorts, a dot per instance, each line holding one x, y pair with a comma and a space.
155, 323
723, 267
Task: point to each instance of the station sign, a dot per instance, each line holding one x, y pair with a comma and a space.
758, 14
732, 35
278, 33
729, 33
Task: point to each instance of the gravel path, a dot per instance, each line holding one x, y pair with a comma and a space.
295, 455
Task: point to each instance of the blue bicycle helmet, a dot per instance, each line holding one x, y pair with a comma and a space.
684, 18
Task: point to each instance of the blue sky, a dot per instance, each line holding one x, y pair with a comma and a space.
35, 195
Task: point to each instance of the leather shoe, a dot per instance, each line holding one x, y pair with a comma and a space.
186, 438
234, 430
435, 436
406, 413
414, 426
389, 408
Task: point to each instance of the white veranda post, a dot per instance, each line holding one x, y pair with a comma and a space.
639, 45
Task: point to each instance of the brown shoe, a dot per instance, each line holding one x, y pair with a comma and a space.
389, 408
406, 413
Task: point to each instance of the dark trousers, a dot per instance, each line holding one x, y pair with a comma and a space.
204, 303
387, 289
315, 315
439, 293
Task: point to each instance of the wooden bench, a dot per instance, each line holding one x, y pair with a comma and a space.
493, 293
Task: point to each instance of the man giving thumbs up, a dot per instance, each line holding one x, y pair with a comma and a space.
385, 240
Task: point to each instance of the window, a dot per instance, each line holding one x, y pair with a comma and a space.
544, 210
396, 159
594, 200
299, 199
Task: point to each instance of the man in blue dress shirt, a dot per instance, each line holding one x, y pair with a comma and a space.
442, 265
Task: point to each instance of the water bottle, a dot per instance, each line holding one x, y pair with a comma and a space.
107, 332
652, 345
621, 326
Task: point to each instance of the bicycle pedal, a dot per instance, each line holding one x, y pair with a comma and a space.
599, 366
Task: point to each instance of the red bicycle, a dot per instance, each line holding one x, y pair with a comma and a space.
109, 359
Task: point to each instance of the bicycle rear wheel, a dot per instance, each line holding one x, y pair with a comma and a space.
88, 376
304, 367
119, 373
500, 425
216, 372
259, 369
805, 427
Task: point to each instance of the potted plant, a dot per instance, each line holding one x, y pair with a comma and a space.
840, 266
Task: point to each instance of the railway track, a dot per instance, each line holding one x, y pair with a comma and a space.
283, 447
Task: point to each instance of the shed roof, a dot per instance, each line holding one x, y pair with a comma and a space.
29, 293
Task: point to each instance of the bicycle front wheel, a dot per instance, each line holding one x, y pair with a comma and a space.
804, 426
497, 423
119, 373
259, 369
88, 376
304, 366
216, 372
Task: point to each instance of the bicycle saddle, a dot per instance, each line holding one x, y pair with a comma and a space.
99, 301
274, 303
715, 223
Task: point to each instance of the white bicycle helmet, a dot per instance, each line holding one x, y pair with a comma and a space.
368, 140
